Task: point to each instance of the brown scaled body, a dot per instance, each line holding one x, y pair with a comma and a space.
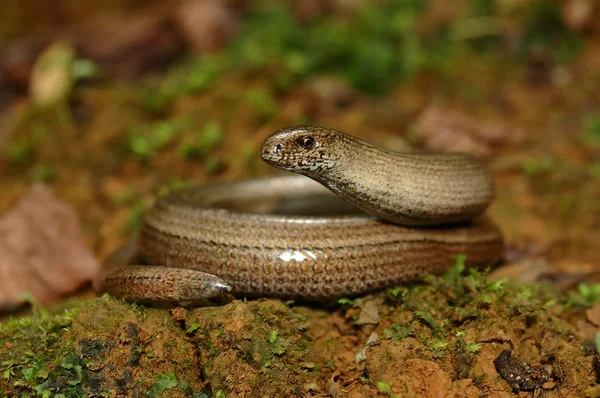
262, 237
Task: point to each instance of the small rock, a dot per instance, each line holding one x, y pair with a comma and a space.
519, 374
549, 385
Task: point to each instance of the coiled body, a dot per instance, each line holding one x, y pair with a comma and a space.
292, 237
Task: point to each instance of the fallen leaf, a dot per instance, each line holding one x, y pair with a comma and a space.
593, 315
369, 314
444, 130
42, 250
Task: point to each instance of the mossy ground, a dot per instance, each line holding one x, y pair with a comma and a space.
433, 339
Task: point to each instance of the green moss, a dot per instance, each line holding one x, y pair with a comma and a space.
586, 296
545, 33
591, 131
266, 341
144, 140
383, 387
375, 47
35, 361
162, 382
95, 350
263, 103
43, 172
134, 219
536, 167
105, 343
203, 143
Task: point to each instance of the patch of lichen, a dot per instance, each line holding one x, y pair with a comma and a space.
255, 348
102, 347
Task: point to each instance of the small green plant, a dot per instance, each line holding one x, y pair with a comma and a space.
400, 331
454, 277
438, 345
438, 348
383, 387
43, 172
497, 286
19, 151
162, 382
192, 328
262, 102
585, 296
346, 302
428, 318
473, 347
546, 34
83, 68
536, 166
595, 169
209, 138
273, 337
204, 72
135, 217
146, 139
591, 130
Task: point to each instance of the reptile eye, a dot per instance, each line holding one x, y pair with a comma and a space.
307, 142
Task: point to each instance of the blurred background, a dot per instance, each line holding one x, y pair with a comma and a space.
104, 105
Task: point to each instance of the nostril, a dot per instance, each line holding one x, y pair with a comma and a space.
277, 148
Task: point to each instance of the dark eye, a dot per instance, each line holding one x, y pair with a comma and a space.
307, 142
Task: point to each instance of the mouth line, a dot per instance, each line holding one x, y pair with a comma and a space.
269, 157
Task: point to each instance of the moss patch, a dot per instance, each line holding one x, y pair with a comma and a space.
440, 337
102, 347
253, 348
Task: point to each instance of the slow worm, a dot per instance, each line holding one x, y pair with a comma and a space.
395, 217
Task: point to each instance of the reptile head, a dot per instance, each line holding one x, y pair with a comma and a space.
309, 150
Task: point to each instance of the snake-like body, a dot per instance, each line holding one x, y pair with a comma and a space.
292, 237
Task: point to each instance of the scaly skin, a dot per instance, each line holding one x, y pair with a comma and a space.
253, 235
404, 188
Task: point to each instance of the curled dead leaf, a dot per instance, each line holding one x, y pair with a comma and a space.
42, 250
369, 314
444, 130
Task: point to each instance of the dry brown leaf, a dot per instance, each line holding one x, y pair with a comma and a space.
131, 44
369, 314
593, 315
444, 130
42, 250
